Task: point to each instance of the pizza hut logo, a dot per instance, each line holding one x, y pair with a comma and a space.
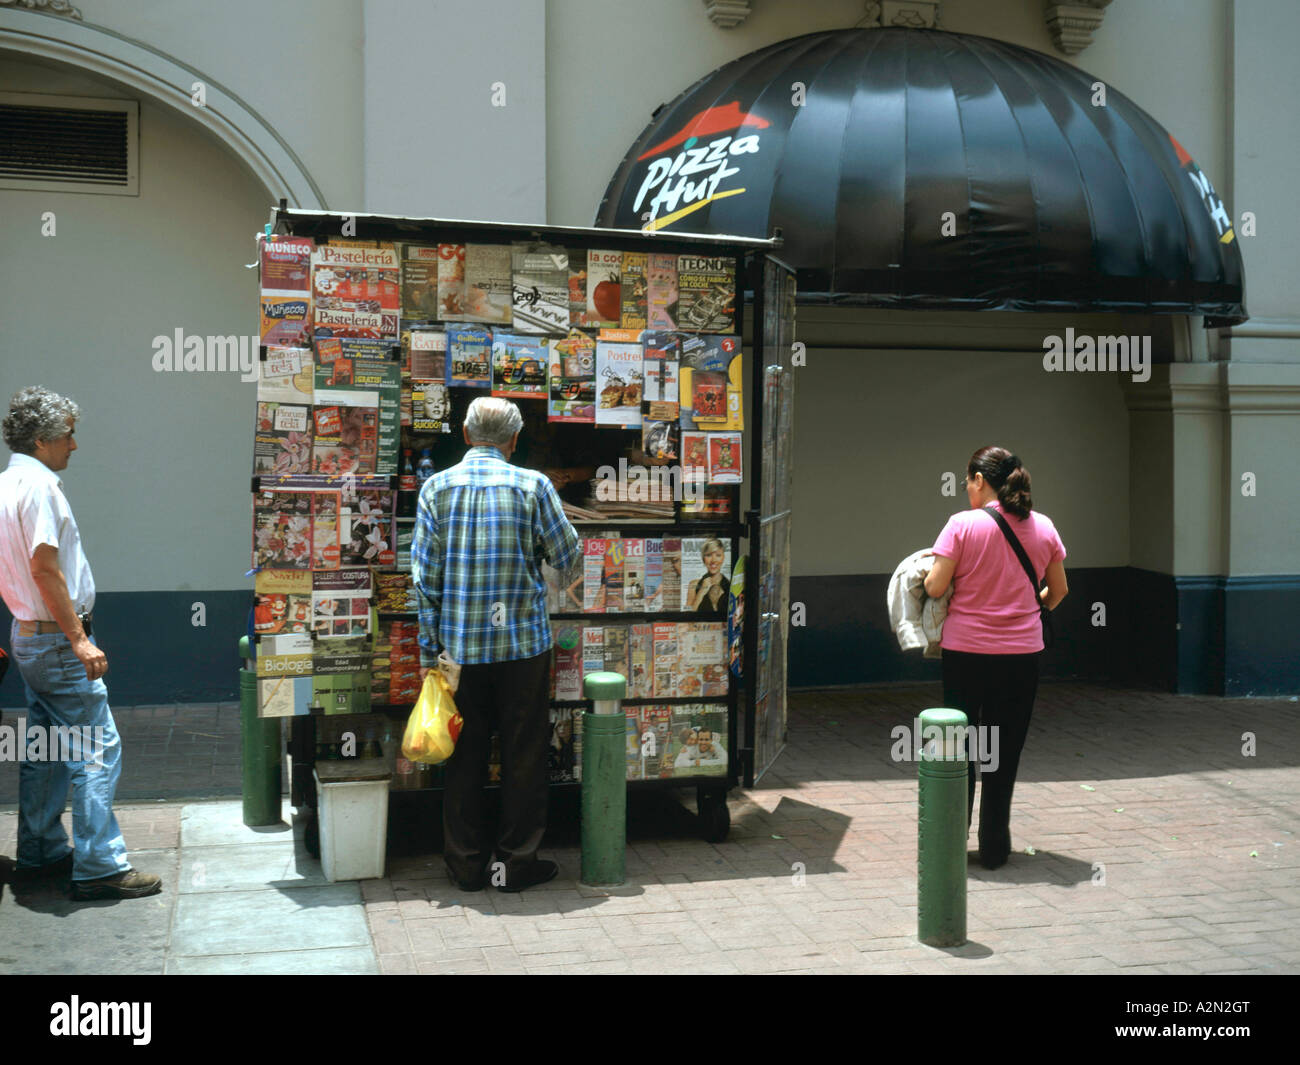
688, 170
1214, 205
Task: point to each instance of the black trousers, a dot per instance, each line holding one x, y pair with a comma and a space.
511, 698
996, 691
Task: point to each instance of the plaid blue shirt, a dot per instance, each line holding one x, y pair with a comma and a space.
482, 530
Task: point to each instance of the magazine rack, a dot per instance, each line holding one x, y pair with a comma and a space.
756, 528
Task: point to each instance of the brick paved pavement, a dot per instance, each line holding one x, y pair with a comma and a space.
1157, 847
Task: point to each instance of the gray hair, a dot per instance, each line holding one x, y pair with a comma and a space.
35, 414
492, 421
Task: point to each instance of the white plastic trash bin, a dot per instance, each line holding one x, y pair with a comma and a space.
352, 815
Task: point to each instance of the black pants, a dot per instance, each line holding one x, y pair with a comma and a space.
511, 698
995, 691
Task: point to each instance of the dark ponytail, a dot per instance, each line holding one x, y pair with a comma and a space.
1006, 476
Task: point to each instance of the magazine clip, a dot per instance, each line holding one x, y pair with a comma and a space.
395, 351
261, 352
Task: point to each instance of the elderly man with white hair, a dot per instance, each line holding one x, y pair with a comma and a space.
482, 531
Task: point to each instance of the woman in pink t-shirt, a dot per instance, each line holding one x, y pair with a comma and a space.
993, 633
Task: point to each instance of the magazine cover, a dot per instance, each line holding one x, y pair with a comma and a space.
604, 308
698, 732
519, 366
282, 529
633, 289
661, 292
284, 686
615, 554
634, 576
488, 283
286, 319
420, 280
705, 565
664, 659
632, 723
703, 651
282, 601
325, 506
341, 675
640, 648
346, 431
573, 379
285, 391
593, 649
619, 374
285, 263
451, 283
356, 290
711, 388
340, 602
577, 287
469, 358
660, 410
561, 759
428, 354
430, 407
724, 458
695, 458
593, 575
656, 728
540, 288
654, 575
672, 574
615, 655
366, 364
285, 290
736, 620
706, 293
366, 527
568, 661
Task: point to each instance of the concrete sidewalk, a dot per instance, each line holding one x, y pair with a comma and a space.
1146, 841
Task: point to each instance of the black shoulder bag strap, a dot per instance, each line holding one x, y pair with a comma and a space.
1049, 636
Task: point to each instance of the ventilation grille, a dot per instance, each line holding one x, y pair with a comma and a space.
73, 148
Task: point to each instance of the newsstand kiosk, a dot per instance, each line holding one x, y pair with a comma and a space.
654, 373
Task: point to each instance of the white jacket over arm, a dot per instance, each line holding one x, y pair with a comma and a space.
917, 619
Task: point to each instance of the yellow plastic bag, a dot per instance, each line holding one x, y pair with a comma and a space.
434, 725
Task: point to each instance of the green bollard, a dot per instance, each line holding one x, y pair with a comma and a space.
942, 829
260, 738
604, 782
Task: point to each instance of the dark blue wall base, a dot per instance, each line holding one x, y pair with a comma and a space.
1203, 635
156, 655
1199, 635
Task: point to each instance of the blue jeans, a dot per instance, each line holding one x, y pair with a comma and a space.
59, 695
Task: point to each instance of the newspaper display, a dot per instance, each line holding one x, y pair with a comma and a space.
451, 283
488, 284
540, 288
420, 281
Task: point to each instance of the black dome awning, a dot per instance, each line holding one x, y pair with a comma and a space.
920, 168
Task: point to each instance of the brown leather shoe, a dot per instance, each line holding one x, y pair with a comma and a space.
132, 884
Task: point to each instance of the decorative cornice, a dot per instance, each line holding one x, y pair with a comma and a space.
914, 14
727, 13
1072, 25
52, 7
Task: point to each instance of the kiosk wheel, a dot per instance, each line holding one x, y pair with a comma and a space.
715, 818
